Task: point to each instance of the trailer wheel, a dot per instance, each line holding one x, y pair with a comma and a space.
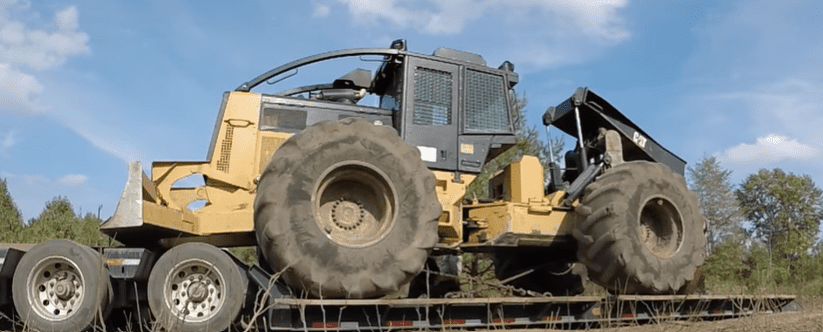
346, 210
61, 285
640, 230
196, 287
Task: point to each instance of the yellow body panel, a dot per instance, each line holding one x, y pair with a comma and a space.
537, 223
451, 193
526, 180
237, 138
241, 151
525, 217
170, 218
230, 181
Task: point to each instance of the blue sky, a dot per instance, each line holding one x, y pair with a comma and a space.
86, 86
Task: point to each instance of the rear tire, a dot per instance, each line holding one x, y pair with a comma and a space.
61, 285
640, 230
196, 287
346, 210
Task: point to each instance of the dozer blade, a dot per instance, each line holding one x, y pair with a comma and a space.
141, 215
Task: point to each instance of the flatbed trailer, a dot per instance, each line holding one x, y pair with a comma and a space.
283, 311
557, 312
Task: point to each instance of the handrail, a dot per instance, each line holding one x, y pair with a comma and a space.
247, 86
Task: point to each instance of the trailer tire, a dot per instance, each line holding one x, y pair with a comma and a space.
196, 287
640, 230
61, 285
346, 210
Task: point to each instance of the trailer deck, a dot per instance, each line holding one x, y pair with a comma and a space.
289, 314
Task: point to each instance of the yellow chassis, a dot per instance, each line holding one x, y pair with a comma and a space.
153, 209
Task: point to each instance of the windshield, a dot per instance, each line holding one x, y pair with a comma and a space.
344, 76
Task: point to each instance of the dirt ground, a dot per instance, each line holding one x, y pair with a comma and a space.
809, 319
806, 320
792, 321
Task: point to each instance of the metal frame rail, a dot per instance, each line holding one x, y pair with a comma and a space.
289, 314
284, 312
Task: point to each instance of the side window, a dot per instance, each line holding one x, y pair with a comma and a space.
432, 97
282, 118
391, 91
486, 109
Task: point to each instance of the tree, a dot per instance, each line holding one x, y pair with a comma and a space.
528, 143
758, 268
529, 137
785, 210
817, 249
58, 221
718, 203
11, 221
726, 264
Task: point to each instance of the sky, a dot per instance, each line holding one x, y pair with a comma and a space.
87, 86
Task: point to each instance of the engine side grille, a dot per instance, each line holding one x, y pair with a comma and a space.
225, 150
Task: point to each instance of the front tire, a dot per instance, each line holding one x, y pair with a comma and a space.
61, 285
346, 210
640, 230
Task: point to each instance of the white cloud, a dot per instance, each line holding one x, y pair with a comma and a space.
529, 32
35, 48
595, 18
35, 180
73, 180
788, 105
41, 49
19, 91
447, 18
769, 149
321, 10
106, 139
755, 71
8, 141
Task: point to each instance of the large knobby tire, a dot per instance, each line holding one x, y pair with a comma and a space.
346, 210
640, 230
61, 285
196, 287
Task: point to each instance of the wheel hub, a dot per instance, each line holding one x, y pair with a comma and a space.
198, 291
64, 289
347, 214
354, 204
661, 227
56, 288
194, 290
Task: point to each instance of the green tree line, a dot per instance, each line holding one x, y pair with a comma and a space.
763, 233
57, 221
